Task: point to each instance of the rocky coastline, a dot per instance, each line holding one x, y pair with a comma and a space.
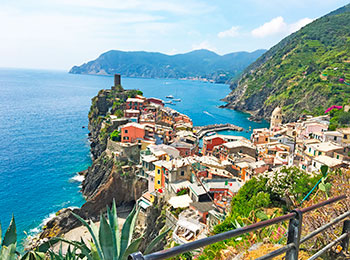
104, 181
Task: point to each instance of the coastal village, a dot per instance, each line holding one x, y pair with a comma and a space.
198, 174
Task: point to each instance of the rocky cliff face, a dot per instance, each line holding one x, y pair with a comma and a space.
105, 180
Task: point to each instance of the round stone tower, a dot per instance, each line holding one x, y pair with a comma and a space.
276, 117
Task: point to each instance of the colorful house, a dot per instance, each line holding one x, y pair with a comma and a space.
135, 103
132, 132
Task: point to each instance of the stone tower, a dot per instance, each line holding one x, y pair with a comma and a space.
276, 117
117, 80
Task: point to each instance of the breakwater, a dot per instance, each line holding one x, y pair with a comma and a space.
203, 130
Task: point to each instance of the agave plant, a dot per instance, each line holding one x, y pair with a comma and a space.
9, 243
69, 255
110, 243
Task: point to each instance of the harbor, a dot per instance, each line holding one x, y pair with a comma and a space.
201, 131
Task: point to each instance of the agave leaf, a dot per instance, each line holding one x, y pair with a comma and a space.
155, 241
132, 248
39, 255
83, 248
128, 230
94, 253
8, 252
113, 222
106, 238
11, 234
44, 247
91, 232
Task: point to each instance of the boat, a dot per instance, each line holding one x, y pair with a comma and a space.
177, 100
170, 96
211, 133
168, 102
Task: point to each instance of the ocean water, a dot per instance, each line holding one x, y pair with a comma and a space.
43, 144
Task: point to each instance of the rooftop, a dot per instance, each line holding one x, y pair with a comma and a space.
236, 144
325, 147
202, 206
329, 161
136, 125
135, 100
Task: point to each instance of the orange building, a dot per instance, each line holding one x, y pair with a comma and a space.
210, 142
132, 132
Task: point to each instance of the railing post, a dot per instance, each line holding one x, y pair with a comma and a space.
345, 242
136, 256
294, 233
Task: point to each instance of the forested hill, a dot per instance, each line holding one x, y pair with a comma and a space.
199, 63
306, 72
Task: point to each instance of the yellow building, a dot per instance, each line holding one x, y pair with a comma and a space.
159, 178
345, 134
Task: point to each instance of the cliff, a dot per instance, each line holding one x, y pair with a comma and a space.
306, 72
106, 179
196, 64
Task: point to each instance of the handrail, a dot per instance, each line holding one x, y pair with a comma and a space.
293, 241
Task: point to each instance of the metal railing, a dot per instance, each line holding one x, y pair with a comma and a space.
293, 239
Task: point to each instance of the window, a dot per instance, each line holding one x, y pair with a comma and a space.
314, 164
125, 131
337, 156
158, 181
158, 171
335, 138
310, 150
319, 153
345, 136
182, 173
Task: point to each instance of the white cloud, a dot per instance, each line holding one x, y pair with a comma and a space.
276, 25
232, 32
299, 24
204, 45
279, 26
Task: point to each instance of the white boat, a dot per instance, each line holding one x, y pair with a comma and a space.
168, 102
211, 133
177, 100
170, 97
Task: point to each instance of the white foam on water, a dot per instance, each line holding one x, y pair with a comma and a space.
78, 178
36, 230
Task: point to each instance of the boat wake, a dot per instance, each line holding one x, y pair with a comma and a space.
207, 113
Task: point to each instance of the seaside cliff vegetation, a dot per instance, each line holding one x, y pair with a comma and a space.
306, 72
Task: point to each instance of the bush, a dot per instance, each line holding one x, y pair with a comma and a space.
115, 136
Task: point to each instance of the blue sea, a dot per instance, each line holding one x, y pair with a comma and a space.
43, 144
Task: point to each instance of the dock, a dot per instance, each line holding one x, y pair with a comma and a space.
203, 130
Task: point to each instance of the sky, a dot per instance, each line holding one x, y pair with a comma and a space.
58, 34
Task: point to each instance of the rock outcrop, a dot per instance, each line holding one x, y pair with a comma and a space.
106, 179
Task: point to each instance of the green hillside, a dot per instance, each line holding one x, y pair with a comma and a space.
200, 63
302, 73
